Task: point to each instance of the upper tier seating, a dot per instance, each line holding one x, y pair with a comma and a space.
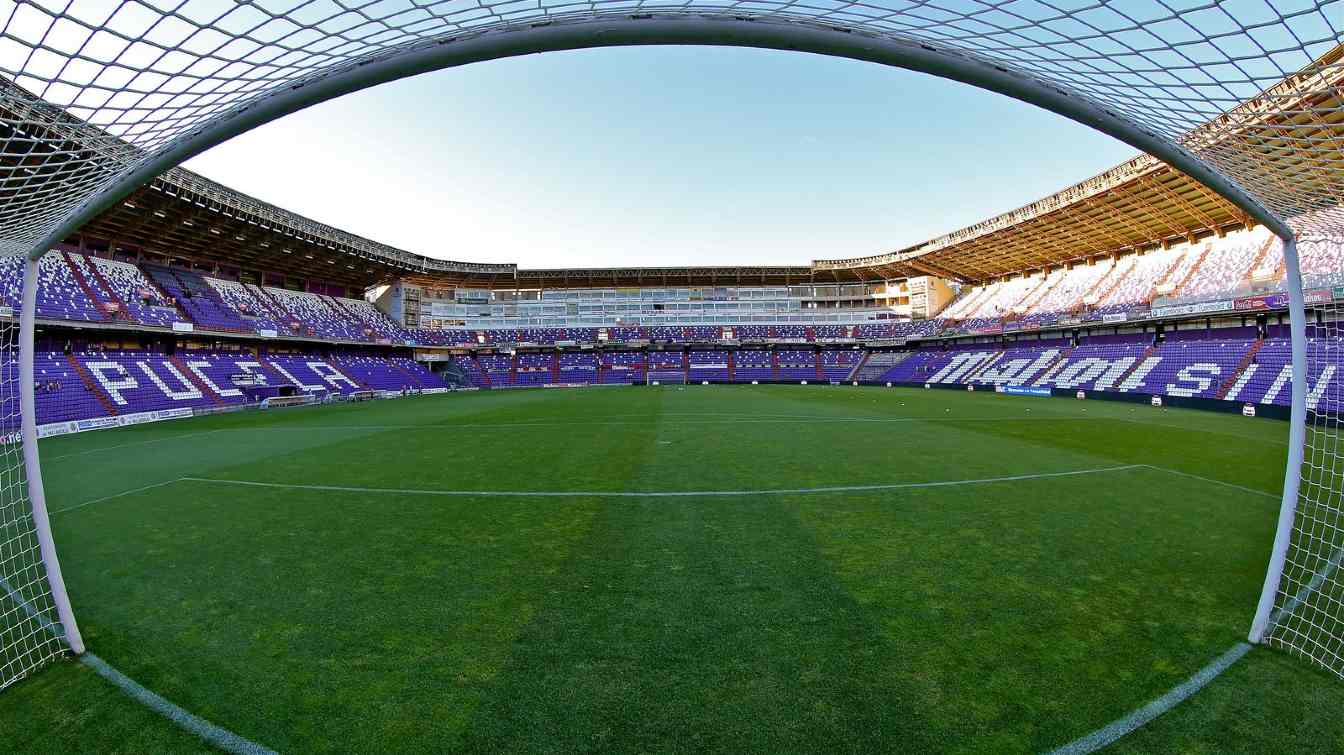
129, 287
375, 324
311, 315
200, 301
674, 333
624, 334
1226, 265
242, 299
59, 295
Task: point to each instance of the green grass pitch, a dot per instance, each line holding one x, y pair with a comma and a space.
1001, 616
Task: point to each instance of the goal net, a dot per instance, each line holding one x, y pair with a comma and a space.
665, 376
1308, 611
98, 97
30, 632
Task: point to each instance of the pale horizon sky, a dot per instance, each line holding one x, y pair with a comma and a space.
661, 156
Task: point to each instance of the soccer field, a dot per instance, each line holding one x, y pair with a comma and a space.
772, 568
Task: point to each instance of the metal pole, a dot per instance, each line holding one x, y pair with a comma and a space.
33, 466
1297, 437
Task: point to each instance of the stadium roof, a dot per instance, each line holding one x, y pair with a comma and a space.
1139, 204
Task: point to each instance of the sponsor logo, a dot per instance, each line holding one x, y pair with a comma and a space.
97, 423
1026, 390
1193, 309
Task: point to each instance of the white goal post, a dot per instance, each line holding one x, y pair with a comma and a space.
665, 377
98, 97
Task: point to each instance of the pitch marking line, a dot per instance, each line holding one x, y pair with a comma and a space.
219, 737
132, 491
655, 494
208, 732
1243, 488
1109, 734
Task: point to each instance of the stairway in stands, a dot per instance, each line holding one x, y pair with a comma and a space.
1104, 288
195, 379
1162, 279
1241, 367
336, 366
123, 312
1190, 274
1119, 384
1049, 372
1260, 255
87, 288
485, 375
731, 367
411, 380
164, 296
854, 373
91, 385
272, 305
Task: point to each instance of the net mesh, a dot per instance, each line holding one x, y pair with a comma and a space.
29, 635
1309, 608
92, 89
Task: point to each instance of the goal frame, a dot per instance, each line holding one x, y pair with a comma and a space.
671, 28
32, 461
650, 377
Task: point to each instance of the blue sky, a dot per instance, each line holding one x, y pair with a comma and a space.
661, 156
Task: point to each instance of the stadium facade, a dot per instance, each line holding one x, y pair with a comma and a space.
1138, 282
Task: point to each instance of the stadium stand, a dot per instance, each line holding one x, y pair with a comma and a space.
129, 289
796, 365
622, 367
709, 365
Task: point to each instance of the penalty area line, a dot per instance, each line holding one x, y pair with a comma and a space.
653, 493
1112, 732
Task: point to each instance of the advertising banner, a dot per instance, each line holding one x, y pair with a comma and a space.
1203, 307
